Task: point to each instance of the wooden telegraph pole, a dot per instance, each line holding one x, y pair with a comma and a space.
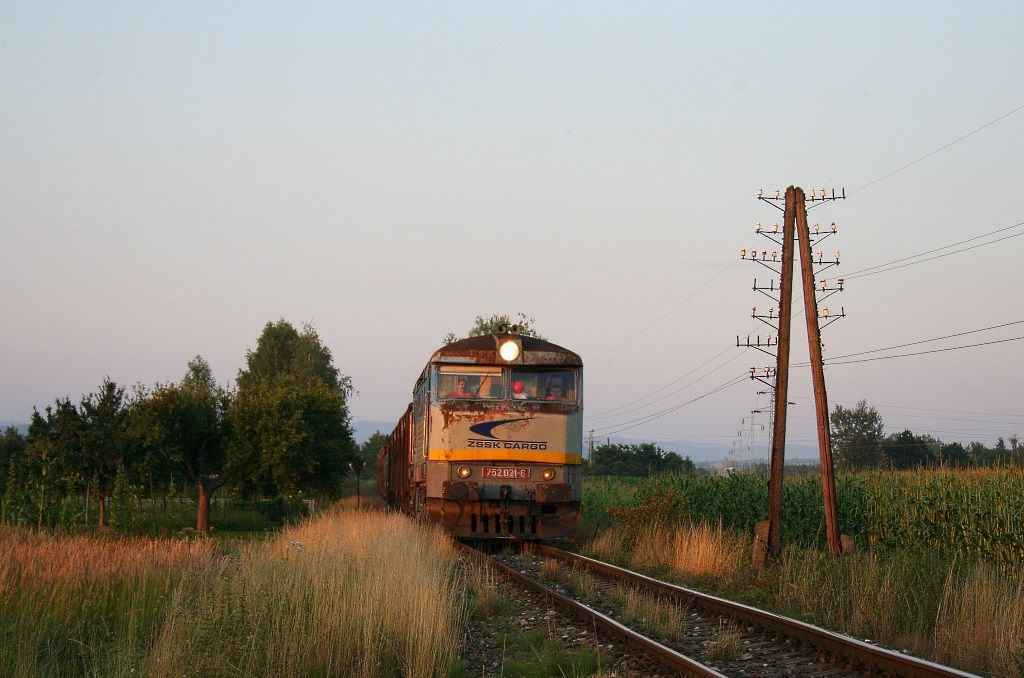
828, 476
778, 458
768, 534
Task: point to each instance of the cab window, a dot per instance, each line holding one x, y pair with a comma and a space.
551, 385
456, 382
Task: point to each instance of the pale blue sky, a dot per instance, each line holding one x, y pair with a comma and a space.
175, 175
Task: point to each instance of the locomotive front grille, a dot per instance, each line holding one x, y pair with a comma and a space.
489, 523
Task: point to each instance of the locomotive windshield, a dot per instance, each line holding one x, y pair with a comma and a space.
457, 382
537, 384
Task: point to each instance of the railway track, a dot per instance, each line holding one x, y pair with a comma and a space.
705, 635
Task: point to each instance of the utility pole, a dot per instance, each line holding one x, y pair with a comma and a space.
590, 456
781, 379
768, 534
828, 476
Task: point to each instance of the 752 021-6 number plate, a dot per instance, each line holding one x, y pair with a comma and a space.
507, 472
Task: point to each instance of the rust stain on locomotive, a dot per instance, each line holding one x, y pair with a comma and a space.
460, 411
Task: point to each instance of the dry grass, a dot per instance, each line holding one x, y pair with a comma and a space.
362, 503
702, 549
688, 549
582, 583
86, 604
607, 545
969, 615
663, 617
349, 593
36, 559
550, 569
652, 548
725, 646
980, 623
483, 584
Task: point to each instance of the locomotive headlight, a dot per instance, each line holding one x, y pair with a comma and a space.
509, 351
465, 471
548, 473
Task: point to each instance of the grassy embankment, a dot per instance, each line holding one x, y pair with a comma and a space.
334, 595
940, 594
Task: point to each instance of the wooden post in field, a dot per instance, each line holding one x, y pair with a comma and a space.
828, 476
774, 537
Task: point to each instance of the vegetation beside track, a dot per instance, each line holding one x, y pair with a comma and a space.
345, 593
956, 605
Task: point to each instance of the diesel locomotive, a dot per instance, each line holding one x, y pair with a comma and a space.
491, 445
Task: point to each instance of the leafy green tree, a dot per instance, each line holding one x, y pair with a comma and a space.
53, 458
12, 449
104, 439
290, 416
187, 425
637, 460
979, 455
954, 454
370, 448
673, 463
290, 438
282, 350
905, 450
498, 324
857, 436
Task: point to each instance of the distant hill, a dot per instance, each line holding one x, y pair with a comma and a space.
698, 451
20, 426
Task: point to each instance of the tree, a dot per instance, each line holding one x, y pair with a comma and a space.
954, 454
53, 459
369, 450
905, 450
290, 416
187, 425
638, 460
282, 350
857, 436
104, 439
12, 468
12, 449
498, 324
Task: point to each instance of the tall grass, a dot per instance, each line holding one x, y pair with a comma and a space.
967, 613
366, 594
349, 593
86, 605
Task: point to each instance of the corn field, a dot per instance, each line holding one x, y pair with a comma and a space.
977, 513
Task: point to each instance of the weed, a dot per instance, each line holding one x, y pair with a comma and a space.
550, 569
725, 646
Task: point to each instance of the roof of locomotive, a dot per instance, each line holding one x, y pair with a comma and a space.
483, 350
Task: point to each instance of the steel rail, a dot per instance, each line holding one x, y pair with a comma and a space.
876, 657
669, 657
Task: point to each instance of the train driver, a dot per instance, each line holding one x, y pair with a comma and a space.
518, 390
460, 390
554, 391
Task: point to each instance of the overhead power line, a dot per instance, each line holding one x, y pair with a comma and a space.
922, 341
937, 150
937, 249
886, 407
627, 425
885, 268
619, 411
936, 350
666, 313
